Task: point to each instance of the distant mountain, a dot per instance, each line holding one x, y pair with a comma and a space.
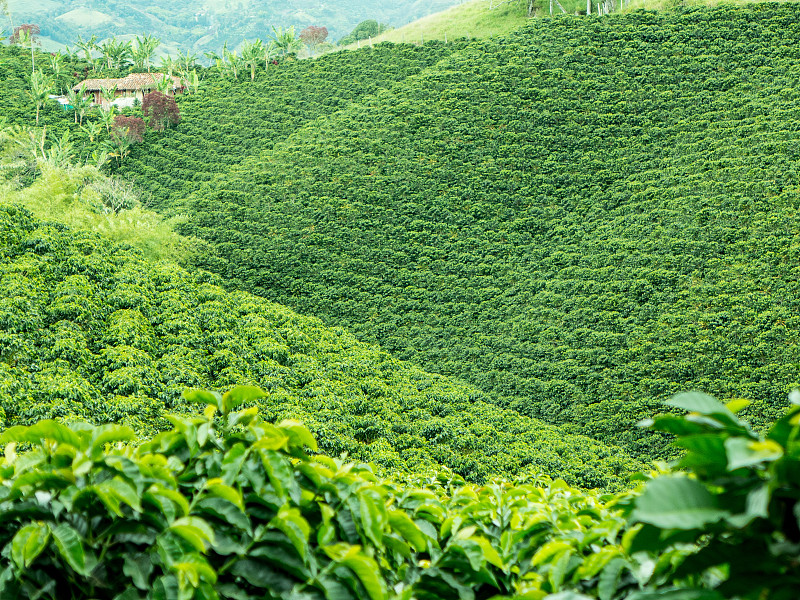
206, 25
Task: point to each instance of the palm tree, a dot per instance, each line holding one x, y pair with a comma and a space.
144, 50
41, 88
107, 117
251, 56
117, 54
285, 40
56, 63
87, 46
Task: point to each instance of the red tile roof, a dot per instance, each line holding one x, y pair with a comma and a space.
134, 81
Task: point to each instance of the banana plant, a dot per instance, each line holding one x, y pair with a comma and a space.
41, 86
143, 51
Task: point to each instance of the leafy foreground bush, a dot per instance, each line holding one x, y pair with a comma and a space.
226, 505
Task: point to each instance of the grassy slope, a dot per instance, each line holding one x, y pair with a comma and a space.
471, 19
485, 18
579, 233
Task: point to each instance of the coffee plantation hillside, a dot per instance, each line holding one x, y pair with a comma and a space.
580, 219
240, 113
92, 330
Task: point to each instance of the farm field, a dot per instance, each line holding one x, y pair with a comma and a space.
581, 219
511, 318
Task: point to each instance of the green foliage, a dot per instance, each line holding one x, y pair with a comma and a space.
213, 139
364, 30
227, 505
581, 219
94, 331
740, 511
185, 25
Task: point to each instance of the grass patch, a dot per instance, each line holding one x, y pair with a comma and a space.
77, 197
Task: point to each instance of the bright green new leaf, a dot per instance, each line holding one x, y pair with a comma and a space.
405, 526
704, 404
367, 571
203, 397
299, 434
195, 531
239, 395
292, 523
216, 487
743, 452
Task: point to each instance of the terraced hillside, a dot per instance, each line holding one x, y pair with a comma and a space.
92, 330
580, 219
233, 119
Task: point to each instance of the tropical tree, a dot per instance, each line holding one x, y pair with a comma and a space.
285, 40
107, 117
194, 81
251, 55
144, 50
232, 60
108, 94
88, 46
167, 64
164, 84
161, 110
57, 64
185, 62
41, 88
117, 53
313, 36
61, 151
25, 35
81, 102
126, 132
91, 129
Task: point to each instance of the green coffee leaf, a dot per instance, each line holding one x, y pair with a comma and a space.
194, 530
28, 543
70, 547
743, 452
203, 397
239, 395
675, 502
298, 434
405, 526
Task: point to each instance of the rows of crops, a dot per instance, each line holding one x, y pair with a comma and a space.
235, 119
581, 219
92, 330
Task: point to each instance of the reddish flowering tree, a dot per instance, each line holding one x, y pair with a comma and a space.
26, 30
161, 110
126, 132
313, 36
130, 127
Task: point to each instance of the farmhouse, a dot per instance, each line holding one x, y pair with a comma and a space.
130, 88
